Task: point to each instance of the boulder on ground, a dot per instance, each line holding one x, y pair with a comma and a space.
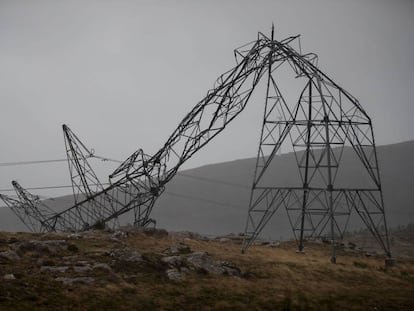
41, 247
126, 254
9, 255
203, 261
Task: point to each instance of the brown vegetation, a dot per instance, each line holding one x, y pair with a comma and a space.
126, 271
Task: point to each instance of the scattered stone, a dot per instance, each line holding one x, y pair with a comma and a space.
126, 254
41, 247
12, 240
189, 235
61, 269
76, 236
176, 249
103, 266
224, 240
173, 261
82, 268
229, 268
203, 261
9, 276
141, 230
260, 243
82, 263
9, 255
274, 244
119, 235
174, 275
76, 280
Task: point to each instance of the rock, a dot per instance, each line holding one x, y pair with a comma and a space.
82, 268
126, 254
61, 269
82, 263
173, 261
174, 275
224, 240
274, 244
9, 276
9, 255
102, 266
119, 235
229, 268
189, 235
203, 261
76, 236
79, 280
141, 230
180, 248
41, 247
12, 240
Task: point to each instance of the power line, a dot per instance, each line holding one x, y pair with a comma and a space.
49, 187
104, 159
200, 199
204, 179
211, 180
184, 196
31, 162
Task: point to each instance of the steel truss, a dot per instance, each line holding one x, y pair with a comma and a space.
30, 209
140, 179
319, 126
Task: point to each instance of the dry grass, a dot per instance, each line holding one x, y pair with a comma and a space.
272, 279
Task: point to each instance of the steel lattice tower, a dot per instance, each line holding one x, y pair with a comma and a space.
325, 123
320, 126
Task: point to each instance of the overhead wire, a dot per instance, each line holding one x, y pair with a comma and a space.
204, 179
210, 180
188, 197
53, 160
31, 162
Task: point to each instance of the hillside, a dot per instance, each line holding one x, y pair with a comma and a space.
202, 214
213, 199
154, 270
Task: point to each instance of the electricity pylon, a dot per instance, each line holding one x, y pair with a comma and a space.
324, 123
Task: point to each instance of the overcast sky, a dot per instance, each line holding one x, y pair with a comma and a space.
122, 74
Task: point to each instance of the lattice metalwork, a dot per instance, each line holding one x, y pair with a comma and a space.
30, 209
320, 126
140, 179
323, 124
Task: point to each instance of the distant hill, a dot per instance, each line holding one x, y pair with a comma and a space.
213, 199
202, 215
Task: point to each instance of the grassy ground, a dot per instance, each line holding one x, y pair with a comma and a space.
271, 278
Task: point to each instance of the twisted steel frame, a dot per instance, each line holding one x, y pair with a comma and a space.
325, 119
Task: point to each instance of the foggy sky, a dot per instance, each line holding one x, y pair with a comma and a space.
122, 74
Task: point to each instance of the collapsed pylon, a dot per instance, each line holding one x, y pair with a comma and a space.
318, 126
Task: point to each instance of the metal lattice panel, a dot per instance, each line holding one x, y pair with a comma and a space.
322, 124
